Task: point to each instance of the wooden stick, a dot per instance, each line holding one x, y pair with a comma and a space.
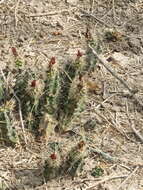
137, 133
21, 117
132, 125
47, 14
130, 175
16, 11
104, 155
110, 71
97, 19
104, 180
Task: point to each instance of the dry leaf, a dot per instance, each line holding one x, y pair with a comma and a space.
92, 86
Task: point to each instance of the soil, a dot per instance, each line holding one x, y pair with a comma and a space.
43, 29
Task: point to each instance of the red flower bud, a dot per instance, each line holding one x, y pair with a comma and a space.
14, 52
81, 144
53, 156
52, 61
33, 83
79, 54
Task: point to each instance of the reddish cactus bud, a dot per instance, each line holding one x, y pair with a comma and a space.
14, 52
52, 61
33, 83
79, 54
53, 156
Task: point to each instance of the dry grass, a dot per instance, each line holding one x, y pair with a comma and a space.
100, 147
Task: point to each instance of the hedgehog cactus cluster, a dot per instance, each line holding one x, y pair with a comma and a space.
66, 100
53, 102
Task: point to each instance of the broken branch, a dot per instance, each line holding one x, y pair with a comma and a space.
110, 71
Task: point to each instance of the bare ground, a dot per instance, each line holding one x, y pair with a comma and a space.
42, 29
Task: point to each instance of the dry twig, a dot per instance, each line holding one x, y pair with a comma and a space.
21, 117
16, 11
135, 131
110, 71
113, 8
132, 125
97, 19
106, 179
131, 174
105, 155
48, 14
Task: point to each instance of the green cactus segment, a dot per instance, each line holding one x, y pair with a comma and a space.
7, 132
53, 162
59, 86
10, 131
20, 90
29, 98
51, 169
75, 122
75, 160
72, 164
51, 88
90, 60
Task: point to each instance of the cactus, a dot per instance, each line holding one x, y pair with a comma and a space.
60, 101
74, 160
66, 102
53, 161
7, 131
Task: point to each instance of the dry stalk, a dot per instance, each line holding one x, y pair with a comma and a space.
47, 14
110, 71
103, 102
21, 117
113, 124
105, 155
97, 19
6, 181
131, 174
116, 126
137, 101
132, 125
108, 178
135, 131
2, 73
113, 8
16, 11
